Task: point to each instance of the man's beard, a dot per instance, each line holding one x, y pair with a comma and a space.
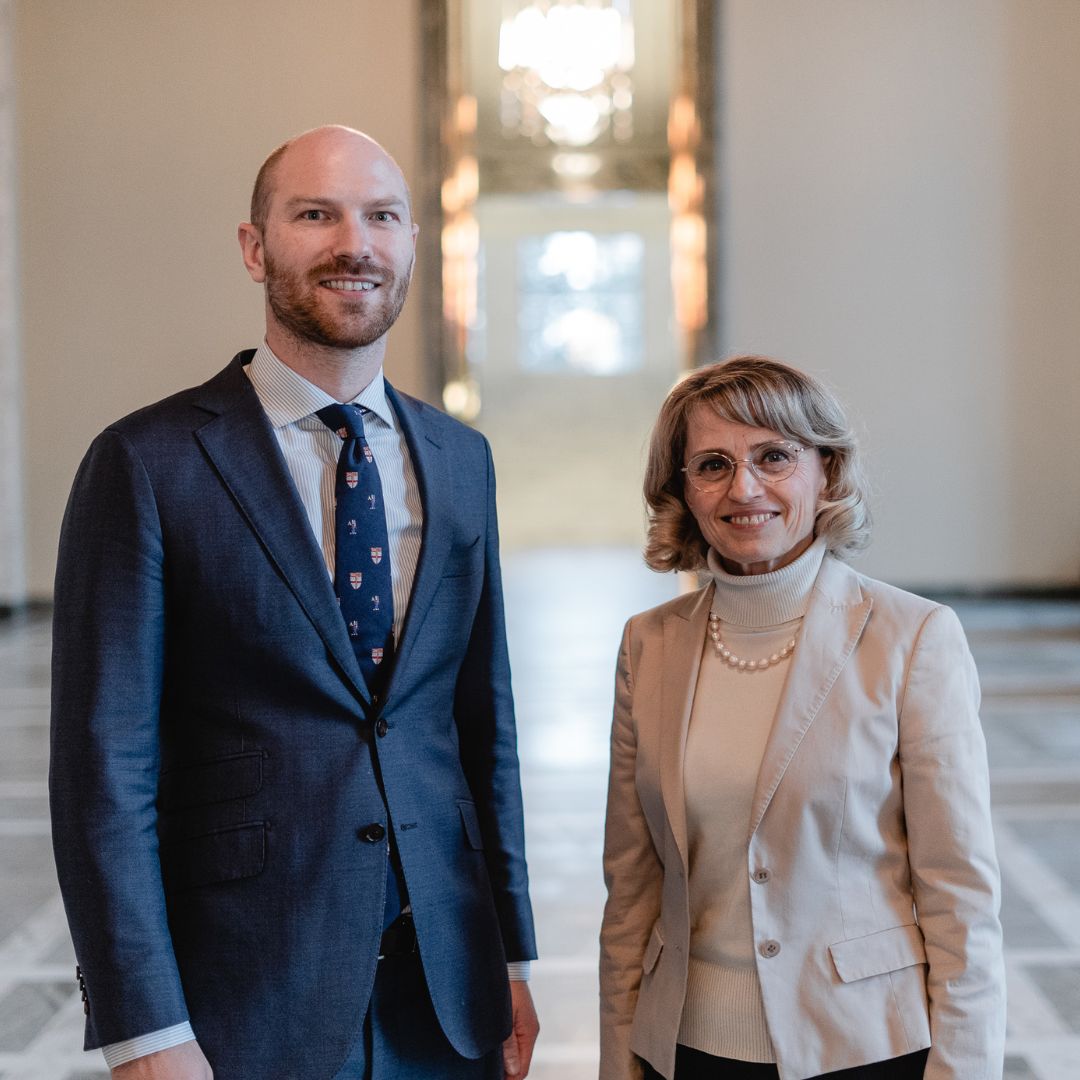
294, 299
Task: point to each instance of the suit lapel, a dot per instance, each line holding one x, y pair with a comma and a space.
684, 639
831, 628
242, 447
433, 478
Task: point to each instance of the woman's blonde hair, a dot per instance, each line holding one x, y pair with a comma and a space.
758, 392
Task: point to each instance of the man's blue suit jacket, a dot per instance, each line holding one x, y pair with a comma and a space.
217, 759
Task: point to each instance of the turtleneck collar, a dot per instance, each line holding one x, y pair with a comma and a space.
762, 600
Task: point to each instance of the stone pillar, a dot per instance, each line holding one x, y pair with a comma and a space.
12, 521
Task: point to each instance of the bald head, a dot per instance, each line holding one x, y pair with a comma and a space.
316, 144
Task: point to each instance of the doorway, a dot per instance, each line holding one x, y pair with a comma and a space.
576, 231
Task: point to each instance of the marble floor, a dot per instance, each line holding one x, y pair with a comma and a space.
565, 612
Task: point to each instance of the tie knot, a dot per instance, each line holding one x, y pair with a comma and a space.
346, 420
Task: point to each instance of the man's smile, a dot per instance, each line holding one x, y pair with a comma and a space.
349, 285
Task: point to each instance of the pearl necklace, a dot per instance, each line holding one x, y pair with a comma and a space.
725, 654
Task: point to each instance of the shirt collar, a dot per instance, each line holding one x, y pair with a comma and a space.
287, 397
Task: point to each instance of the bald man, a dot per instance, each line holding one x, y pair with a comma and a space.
286, 802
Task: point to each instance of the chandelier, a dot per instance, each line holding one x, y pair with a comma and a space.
566, 67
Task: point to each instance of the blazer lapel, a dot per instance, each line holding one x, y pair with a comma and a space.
242, 447
831, 628
433, 479
684, 638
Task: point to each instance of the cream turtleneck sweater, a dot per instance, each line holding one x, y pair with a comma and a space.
730, 721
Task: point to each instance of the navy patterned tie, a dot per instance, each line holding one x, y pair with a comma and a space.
362, 564
362, 578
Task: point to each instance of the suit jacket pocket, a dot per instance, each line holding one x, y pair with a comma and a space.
652, 950
237, 776
887, 950
228, 854
471, 824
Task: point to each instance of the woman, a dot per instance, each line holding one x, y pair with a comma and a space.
799, 860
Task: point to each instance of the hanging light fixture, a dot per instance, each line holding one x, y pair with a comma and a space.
566, 67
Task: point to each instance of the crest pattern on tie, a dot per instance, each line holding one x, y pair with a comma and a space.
362, 579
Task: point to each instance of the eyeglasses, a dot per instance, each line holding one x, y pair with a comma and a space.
771, 463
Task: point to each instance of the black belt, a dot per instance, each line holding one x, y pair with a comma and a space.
399, 938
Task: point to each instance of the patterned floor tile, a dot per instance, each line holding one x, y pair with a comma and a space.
1060, 985
25, 1009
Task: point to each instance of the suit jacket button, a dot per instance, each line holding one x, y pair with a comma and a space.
769, 949
373, 833
381, 727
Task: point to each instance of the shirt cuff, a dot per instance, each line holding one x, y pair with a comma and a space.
518, 970
141, 1045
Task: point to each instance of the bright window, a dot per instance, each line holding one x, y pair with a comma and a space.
580, 303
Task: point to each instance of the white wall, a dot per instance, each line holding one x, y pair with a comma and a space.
141, 126
12, 552
901, 217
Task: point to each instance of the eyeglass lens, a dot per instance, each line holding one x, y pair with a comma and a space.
771, 463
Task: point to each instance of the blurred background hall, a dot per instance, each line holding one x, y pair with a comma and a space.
609, 192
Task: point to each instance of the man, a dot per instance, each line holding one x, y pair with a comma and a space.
286, 803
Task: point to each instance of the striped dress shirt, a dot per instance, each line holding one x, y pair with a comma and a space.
311, 452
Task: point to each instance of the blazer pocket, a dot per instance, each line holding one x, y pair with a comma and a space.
471, 823
228, 854
652, 950
876, 954
237, 776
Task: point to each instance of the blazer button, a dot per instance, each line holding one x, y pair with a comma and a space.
769, 949
762, 875
381, 727
373, 833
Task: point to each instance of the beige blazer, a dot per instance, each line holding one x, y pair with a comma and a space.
873, 879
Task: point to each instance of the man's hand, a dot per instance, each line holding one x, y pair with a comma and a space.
518, 1048
183, 1062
